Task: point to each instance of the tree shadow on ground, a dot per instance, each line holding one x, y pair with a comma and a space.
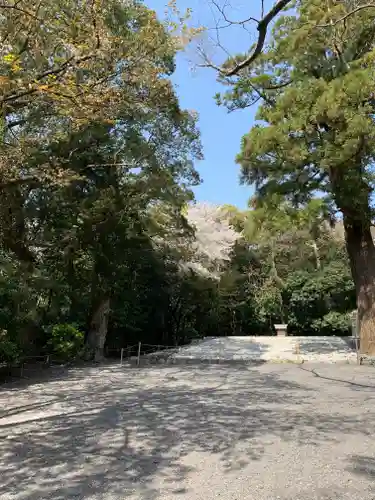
115, 433
353, 385
38, 373
324, 345
224, 348
364, 466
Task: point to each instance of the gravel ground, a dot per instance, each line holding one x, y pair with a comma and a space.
292, 349
191, 433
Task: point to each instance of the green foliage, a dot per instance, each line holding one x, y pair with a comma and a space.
316, 126
9, 351
66, 341
319, 302
333, 323
270, 304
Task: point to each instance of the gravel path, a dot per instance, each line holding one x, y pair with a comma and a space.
269, 432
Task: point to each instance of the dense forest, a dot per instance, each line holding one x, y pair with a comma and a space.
102, 242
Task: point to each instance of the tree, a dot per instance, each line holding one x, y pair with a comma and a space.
65, 66
77, 206
214, 237
76, 58
317, 131
105, 215
269, 227
280, 234
320, 302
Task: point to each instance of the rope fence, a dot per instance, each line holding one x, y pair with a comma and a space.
35, 362
126, 353
140, 350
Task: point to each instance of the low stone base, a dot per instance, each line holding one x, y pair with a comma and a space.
281, 330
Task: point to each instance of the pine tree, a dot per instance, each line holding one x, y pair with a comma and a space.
316, 126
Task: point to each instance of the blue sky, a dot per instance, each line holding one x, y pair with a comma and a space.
221, 131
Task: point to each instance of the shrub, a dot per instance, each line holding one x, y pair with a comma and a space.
9, 351
319, 302
333, 323
66, 340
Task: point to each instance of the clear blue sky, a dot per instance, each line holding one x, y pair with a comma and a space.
221, 131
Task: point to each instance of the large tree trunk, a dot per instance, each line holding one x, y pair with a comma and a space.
98, 328
352, 195
361, 251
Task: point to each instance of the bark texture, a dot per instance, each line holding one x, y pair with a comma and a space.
361, 251
352, 195
98, 328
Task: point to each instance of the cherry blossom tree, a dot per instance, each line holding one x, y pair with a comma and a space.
214, 238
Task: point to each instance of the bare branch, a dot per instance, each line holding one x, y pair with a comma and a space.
262, 30
261, 94
95, 25
18, 96
207, 62
229, 21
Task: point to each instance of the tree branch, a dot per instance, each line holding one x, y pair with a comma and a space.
229, 21
343, 18
55, 71
15, 7
15, 123
262, 30
278, 85
13, 183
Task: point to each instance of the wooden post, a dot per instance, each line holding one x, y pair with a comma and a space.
298, 352
122, 355
139, 354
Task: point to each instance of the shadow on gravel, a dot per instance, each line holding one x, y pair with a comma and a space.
36, 374
332, 379
17, 410
114, 432
224, 348
364, 466
324, 345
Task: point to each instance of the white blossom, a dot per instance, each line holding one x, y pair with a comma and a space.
214, 237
